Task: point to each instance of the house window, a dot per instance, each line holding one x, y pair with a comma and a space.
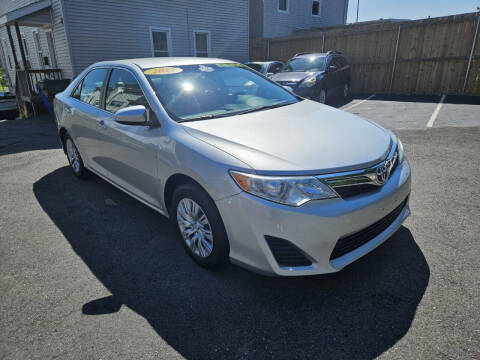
201, 43
161, 43
316, 8
283, 5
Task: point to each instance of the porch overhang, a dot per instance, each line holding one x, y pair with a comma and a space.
35, 15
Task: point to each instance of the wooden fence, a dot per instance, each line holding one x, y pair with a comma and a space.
430, 56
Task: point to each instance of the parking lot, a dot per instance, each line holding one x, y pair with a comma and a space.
88, 272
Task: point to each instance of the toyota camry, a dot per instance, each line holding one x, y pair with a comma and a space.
249, 172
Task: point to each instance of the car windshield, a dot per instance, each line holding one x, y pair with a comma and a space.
305, 64
256, 67
205, 91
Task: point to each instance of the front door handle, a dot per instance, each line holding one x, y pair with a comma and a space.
68, 110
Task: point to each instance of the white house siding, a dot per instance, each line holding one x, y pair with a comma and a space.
62, 51
116, 29
299, 16
58, 31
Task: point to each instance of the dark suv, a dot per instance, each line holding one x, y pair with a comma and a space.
316, 76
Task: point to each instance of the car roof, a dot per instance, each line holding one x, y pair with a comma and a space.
145, 63
262, 62
308, 55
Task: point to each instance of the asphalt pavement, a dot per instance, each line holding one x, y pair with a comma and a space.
87, 272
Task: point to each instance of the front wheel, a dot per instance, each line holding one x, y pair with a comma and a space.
200, 226
322, 96
346, 90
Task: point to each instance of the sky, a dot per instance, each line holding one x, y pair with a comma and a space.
408, 9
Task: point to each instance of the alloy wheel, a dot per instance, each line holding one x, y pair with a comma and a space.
195, 228
73, 156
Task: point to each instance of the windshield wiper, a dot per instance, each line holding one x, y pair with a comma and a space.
215, 116
206, 117
266, 107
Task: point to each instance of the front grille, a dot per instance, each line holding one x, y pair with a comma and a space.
351, 242
285, 253
288, 83
354, 190
359, 189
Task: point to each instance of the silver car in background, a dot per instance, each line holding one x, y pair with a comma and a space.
248, 171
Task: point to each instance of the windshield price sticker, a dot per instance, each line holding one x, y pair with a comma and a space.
229, 65
166, 70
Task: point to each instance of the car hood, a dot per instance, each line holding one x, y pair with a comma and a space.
291, 76
302, 138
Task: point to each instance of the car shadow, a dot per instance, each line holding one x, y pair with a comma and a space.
339, 101
134, 252
22, 135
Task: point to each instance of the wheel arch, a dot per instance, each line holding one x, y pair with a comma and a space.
62, 132
174, 181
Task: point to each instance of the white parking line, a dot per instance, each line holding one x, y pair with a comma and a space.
352, 106
435, 113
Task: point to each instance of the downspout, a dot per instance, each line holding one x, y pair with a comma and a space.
345, 12
67, 35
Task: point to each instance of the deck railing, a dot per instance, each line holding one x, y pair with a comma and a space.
30, 77
26, 84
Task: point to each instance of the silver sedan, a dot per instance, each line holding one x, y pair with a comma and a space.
248, 171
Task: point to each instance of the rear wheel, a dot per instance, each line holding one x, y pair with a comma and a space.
346, 90
74, 158
200, 226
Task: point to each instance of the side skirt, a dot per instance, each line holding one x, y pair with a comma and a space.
154, 207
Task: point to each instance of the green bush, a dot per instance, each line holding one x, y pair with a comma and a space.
3, 83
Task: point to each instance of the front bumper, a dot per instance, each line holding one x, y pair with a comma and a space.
314, 228
306, 92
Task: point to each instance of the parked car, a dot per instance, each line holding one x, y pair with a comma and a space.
267, 68
245, 169
316, 76
8, 106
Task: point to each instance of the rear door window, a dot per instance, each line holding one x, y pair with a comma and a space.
90, 90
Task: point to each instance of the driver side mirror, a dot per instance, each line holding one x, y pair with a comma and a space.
132, 115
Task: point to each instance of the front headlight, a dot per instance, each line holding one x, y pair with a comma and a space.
291, 190
309, 82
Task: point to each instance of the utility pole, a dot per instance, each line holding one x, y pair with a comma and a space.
358, 5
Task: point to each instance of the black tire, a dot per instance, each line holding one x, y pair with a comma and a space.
322, 96
219, 256
346, 90
79, 170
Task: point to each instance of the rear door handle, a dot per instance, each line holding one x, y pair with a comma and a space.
102, 125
